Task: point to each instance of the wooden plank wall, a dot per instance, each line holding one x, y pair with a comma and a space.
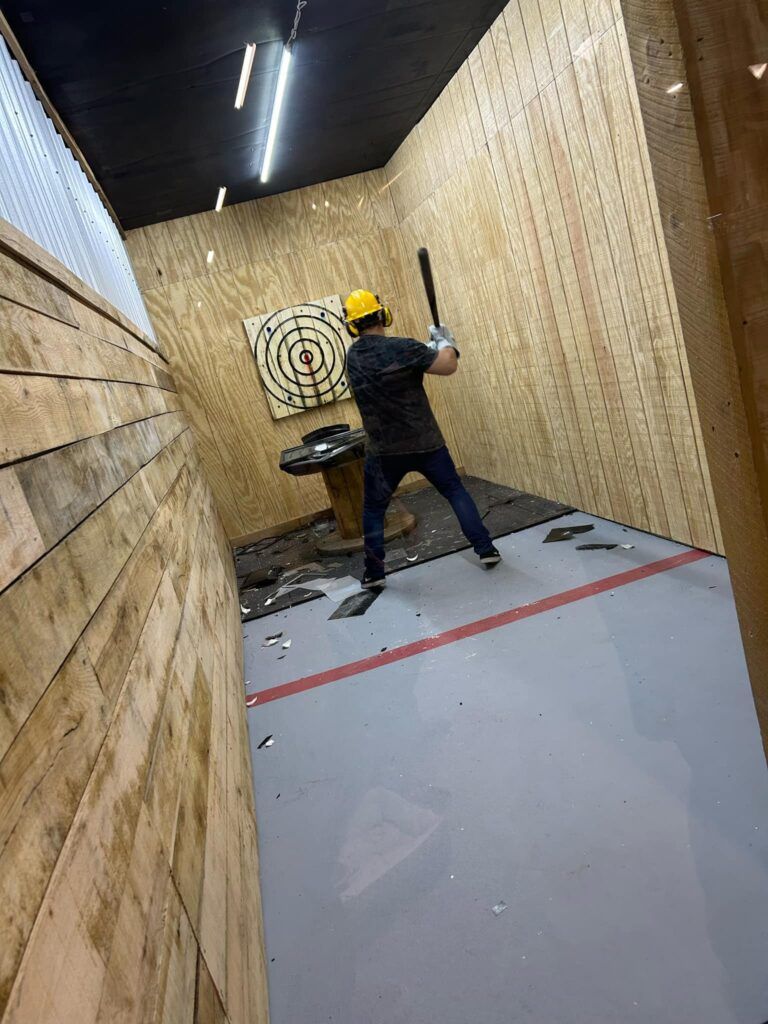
128, 864
708, 149
270, 253
530, 181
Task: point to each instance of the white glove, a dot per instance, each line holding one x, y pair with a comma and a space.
441, 337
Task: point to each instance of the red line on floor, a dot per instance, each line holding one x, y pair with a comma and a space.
450, 636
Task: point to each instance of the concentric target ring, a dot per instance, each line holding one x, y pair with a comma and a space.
322, 356
283, 372
303, 354
309, 366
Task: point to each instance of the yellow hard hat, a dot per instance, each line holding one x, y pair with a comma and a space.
359, 306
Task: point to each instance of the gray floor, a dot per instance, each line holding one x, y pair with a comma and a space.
597, 768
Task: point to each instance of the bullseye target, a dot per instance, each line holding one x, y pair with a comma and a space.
301, 353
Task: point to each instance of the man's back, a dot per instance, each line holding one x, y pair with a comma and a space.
386, 376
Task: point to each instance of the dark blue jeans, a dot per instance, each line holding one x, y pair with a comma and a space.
383, 473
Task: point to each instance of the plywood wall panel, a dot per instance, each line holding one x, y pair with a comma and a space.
20, 285
22, 542
161, 311
286, 223
536, 39
521, 51
213, 910
555, 34
164, 257
142, 260
549, 263
309, 250
192, 814
208, 1005
84, 474
547, 245
94, 324
507, 70
624, 233
38, 413
560, 196
708, 508
577, 28
70, 582
32, 342
130, 990
43, 775
473, 121
180, 956
602, 14
699, 142
379, 207
119, 612
484, 77
91, 869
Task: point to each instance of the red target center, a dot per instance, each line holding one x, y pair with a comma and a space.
306, 357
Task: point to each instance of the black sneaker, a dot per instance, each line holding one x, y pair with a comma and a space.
490, 557
373, 581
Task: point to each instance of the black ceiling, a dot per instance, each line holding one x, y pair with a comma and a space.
147, 89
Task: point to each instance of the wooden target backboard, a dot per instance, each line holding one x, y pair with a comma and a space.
301, 353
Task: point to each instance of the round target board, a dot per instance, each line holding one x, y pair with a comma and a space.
301, 354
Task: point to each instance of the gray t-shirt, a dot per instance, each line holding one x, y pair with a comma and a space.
387, 379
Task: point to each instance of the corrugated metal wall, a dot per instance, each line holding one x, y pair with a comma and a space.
45, 193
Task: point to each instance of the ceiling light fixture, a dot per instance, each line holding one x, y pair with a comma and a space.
209, 257
282, 78
245, 75
277, 105
220, 198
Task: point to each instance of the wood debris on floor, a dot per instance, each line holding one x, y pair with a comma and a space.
278, 572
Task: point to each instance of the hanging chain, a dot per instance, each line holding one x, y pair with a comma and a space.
299, 8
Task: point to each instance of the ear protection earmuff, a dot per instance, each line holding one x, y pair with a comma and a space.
386, 313
352, 331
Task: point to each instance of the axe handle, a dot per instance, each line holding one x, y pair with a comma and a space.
429, 284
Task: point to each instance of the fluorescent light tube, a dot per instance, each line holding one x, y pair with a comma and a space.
245, 75
209, 257
282, 78
220, 199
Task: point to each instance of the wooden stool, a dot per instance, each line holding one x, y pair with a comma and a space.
338, 454
344, 484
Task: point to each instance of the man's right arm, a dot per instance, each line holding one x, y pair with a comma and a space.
445, 363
